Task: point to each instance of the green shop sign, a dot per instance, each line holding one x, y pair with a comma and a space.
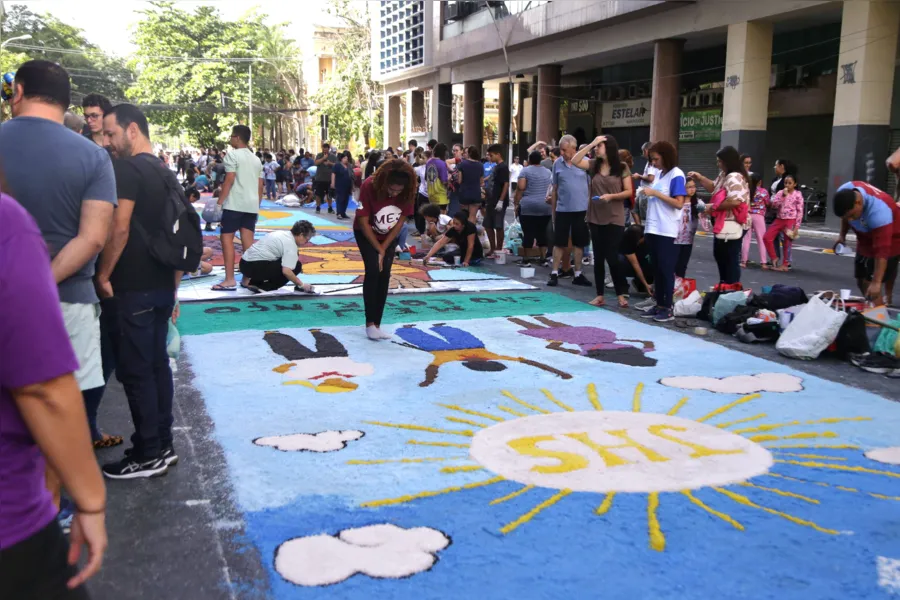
701, 125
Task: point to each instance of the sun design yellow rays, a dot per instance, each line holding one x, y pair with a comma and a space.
795, 449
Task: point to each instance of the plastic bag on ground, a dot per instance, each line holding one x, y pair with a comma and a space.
813, 329
690, 306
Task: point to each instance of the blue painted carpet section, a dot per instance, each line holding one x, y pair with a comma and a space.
814, 526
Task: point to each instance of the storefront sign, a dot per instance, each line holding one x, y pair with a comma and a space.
579, 106
627, 113
701, 125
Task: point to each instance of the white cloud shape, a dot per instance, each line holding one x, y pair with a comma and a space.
888, 456
383, 551
738, 384
324, 441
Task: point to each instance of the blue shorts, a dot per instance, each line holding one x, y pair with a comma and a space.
233, 220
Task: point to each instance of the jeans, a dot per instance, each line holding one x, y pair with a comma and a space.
401, 237
342, 201
683, 258
37, 568
607, 239
143, 368
93, 397
728, 259
376, 282
662, 250
271, 190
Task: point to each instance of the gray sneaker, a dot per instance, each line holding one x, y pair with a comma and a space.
645, 304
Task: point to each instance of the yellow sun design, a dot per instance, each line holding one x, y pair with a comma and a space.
533, 445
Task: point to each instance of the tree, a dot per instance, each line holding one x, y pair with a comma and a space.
91, 69
196, 65
350, 98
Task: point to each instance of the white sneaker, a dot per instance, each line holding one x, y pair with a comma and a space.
648, 303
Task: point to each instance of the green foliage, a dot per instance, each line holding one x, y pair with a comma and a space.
350, 98
92, 70
203, 98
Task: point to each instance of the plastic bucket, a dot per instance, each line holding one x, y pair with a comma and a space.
526, 272
500, 258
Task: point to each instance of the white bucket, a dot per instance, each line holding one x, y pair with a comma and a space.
526, 272
500, 258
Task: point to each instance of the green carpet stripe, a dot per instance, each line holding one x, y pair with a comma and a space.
218, 317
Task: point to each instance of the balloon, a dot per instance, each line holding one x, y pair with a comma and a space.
7, 91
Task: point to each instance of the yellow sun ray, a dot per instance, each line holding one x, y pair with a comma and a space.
405, 460
674, 410
552, 399
464, 432
766, 427
744, 420
812, 446
747, 502
606, 504
474, 413
818, 465
430, 494
712, 511
466, 422
593, 397
822, 456
808, 435
727, 407
827, 420
462, 469
515, 494
534, 511
537, 409
636, 400
509, 410
837, 487
657, 539
780, 492
438, 444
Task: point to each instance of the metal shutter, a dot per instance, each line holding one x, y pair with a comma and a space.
700, 157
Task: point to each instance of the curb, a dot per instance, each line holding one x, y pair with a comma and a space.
825, 234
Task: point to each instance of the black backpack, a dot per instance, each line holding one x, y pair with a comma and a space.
178, 242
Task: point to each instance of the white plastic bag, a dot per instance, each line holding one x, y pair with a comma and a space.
812, 330
690, 306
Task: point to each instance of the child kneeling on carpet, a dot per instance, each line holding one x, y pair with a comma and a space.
436, 225
461, 232
274, 260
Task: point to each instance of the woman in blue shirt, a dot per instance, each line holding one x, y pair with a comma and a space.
342, 183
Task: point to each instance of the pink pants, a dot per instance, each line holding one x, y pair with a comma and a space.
757, 227
774, 229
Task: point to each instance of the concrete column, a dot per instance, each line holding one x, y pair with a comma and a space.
473, 114
746, 111
442, 112
415, 112
548, 103
522, 145
504, 128
862, 104
665, 105
533, 94
392, 121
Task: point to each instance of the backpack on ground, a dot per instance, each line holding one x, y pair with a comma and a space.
726, 304
709, 300
178, 242
730, 322
780, 296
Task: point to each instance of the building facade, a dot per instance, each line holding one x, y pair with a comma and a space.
806, 80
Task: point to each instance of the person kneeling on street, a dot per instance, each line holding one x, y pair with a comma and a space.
461, 232
273, 261
436, 225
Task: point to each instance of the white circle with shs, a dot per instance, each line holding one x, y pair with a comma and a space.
609, 451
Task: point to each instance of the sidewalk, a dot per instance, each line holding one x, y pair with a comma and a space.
818, 230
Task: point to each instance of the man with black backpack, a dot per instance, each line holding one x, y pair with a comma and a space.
154, 238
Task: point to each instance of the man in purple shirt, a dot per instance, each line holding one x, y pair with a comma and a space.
42, 415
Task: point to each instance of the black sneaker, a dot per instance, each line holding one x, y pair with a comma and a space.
330, 211
663, 315
875, 362
649, 313
567, 274
128, 468
582, 281
168, 455
318, 210
554, 280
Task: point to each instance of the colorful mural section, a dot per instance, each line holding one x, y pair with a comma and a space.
332, 263
527, 446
